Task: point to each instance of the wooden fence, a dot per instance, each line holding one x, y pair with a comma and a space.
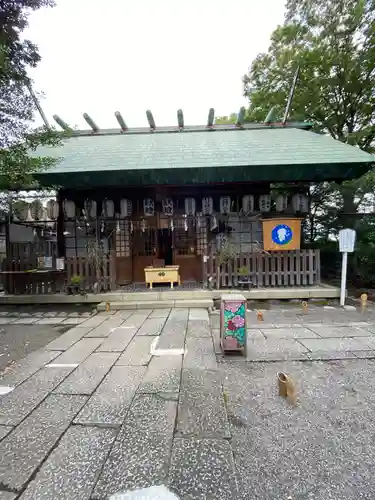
284, 269
93, 279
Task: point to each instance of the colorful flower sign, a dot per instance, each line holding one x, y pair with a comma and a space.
233, 325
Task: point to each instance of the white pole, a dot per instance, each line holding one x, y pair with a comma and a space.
343, 277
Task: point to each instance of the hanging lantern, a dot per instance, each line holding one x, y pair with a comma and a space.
265, 202
171, 225
69, 209
90, 208
118, 227
300, 203
248, 203
148, 207
167, 205
189, 206
102, 227
131, 227
36, 209
29, 217
213, 224
207, 205
143, 225
52, 209
24, 212
185, 223
126, 208
108, 209
281, 202
198, 222
225, 204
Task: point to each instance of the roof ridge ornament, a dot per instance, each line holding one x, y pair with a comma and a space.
150, 120
91, 122
121, 121
211, 117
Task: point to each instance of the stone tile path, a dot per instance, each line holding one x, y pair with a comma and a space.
133, 399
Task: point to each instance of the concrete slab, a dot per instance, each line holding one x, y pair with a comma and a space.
110, 403
272, 349
137, 352
198, 314
89, 374
16, 405
198, 328
203, 468
67, 339
202, 415
118, 340
73, 321
286, 333
6, 495
163, 375
106, 328
339, 331
5, 430
136, 319
160, 313
25, 321
6, 320
30, 443
140, 455
336, 344
201, 380
200, 354
94, 321
23, 369
152, 326
124, 314
50, 321
73, 467
79, 351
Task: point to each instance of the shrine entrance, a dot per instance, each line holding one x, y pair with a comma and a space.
165, 246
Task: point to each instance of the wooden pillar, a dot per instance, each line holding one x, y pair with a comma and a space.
60, 228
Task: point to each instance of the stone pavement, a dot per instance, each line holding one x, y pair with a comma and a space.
136, 398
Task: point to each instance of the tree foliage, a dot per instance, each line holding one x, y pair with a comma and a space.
17, 138
226, 120
333, 45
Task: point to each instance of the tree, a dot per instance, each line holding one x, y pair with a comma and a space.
226, 120
17, 138
333, 44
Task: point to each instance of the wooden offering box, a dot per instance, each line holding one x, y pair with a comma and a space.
167, 274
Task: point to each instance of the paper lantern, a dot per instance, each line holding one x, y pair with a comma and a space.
225, 204
108, 209
69, 209
36, 209
248, 203
167, 205
126, 208
281, 202
300, 203
189, 206
52, 209
29, 217
148, 207
207, 205
265, 202
24, 212
90, 208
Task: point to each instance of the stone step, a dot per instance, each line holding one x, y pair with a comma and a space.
157, 304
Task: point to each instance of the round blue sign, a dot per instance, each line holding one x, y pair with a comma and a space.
281, 234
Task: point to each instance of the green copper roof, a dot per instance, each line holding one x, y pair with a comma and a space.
261, 154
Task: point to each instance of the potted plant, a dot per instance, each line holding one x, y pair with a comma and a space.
244, 276
74, 286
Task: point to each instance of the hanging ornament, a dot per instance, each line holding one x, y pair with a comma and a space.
167, 205
248, 203
265, 202
34, 232
131, 227
29, 217
198, 222
300, 203
281, 202
185, 223
207, 205
108, 209
213, 224
69, 209
102, 227
42, 233
143, 225
36, 209
190, 206
117, 227
126, 208
52, 209
148, 207
90, 208
171, 225
225, 204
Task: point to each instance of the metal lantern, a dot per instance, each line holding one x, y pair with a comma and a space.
225, 204
167, 205
281, 202
69, 209
189, 206
248, 203
108, 209
52, 209
148, 207
207, 205
90, 208
126, 207
36, 209
265, 202
300, 203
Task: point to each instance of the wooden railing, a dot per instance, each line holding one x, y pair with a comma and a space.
284, 269
93, 278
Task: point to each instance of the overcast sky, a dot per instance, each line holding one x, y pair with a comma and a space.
131, 55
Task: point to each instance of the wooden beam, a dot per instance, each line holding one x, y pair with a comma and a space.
91, 122
150, 119
211, 117
271, 117
180, 118
121, 121
61, 122
240, 117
